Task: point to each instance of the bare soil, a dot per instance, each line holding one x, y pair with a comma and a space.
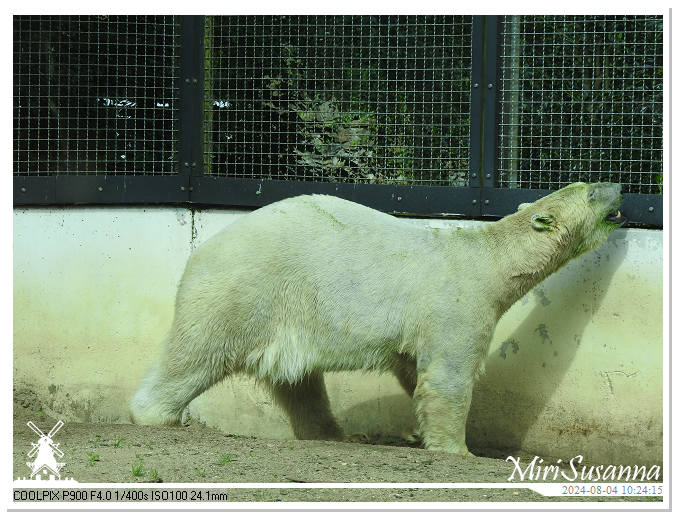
127, 453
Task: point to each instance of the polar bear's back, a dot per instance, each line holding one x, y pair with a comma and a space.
309, 270
302, 228
327, 214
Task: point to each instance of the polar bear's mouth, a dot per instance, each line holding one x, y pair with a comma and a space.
615, 217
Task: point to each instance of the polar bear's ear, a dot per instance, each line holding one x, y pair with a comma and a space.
542, 221
523, 205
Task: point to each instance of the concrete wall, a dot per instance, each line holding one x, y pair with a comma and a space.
575, 367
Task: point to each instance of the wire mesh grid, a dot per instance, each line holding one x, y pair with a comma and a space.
366, 99
581, 100
94, 95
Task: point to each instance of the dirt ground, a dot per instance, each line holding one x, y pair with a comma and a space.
126, 453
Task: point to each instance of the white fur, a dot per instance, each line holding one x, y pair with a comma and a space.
316, 283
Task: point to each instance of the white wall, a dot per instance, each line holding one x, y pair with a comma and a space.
575, 367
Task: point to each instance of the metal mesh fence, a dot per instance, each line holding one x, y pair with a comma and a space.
364, 99
367, 99
581, 100
94, 95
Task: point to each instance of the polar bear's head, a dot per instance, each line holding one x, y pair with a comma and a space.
565, 224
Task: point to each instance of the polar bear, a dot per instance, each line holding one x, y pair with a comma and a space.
315, 283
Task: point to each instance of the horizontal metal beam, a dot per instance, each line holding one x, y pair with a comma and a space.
208, 190
100, 189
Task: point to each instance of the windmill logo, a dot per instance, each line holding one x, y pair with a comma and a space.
44, 451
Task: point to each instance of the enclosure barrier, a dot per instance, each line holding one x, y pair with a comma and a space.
425, 115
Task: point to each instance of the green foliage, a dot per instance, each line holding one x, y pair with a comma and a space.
138, 469
226, 459
92, 458
589, 102
386, 99
329, 105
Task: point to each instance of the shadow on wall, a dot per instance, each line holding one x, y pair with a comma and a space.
542, 350
390, 415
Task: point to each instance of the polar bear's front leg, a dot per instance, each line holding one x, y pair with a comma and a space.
442, 400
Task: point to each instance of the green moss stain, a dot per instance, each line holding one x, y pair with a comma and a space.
325, 213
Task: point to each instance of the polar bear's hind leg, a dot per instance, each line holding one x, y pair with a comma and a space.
306, 404
172, 382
